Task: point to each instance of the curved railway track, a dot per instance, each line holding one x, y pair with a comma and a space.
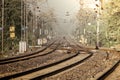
74, 57
25, 55
28, 56
108, 71
54, 72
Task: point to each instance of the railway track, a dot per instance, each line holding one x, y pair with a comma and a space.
28, 56
8, 63
75, 55
85, 71
103, 75
109, 69
24, 55
75, 58
54, 69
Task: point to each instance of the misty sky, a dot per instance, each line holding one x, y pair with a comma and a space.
61, 7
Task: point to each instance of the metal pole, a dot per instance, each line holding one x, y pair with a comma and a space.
27, 23
33, 23
97, 27
21, 18
24, 19
2, 25
97, 30
32, 28
42, 32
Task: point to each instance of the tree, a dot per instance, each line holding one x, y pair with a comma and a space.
12, 15
86, 15
111, 15
89, 15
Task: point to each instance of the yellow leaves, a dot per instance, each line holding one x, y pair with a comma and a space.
114, 11
111, 7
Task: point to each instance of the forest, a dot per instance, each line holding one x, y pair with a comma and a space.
109, 23
27, 19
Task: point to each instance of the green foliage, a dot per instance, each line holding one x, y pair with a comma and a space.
85, 16
12, 17
111, 15
109, 23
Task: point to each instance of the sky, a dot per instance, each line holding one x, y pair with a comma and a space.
61, 8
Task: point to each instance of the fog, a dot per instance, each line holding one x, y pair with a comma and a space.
65, 12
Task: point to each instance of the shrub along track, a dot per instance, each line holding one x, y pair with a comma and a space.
38, 53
